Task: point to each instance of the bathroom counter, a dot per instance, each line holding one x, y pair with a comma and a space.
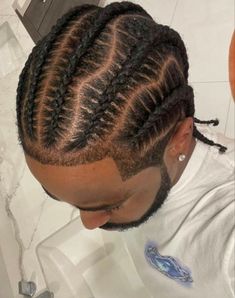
39, 16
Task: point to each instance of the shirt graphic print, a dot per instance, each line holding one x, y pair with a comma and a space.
167, 265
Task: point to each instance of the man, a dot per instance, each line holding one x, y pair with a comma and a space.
106, 120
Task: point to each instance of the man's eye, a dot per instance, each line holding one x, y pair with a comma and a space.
115, 208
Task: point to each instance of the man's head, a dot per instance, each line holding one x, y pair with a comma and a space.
108, 200
102, 103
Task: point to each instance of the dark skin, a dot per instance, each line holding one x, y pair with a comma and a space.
98, 185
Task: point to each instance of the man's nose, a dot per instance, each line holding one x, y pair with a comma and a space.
94, 219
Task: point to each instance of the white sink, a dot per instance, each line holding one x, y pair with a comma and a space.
80, 263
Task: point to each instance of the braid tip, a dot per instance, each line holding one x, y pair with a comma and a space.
222, 149
216, 122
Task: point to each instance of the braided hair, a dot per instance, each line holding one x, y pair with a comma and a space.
105, 82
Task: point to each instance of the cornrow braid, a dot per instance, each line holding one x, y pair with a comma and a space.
133, 61
105, 82
43, 49
179, 94
19, 95
21, 88
102, 17
202, 138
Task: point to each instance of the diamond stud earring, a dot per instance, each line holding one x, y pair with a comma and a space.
182, 157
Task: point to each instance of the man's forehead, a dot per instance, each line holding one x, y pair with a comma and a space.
103, 168
93, 184
102, 174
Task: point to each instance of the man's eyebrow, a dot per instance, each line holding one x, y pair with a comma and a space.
100, 208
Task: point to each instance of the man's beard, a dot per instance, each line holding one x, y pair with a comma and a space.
160, 197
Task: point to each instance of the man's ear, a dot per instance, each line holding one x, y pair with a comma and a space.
180, 141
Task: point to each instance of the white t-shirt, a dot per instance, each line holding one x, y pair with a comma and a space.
187, 249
